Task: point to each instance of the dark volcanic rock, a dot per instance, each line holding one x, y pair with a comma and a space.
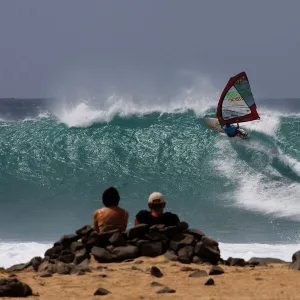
155, 236
171, 255
45, 274
101, 255
62, 268
118, 239
14, 288
81, 255
199, 273
208, 250
67, 258
171, 231
54, 250
183, 225
68, 239
186, 252
155, 271
157, 227
101, 292
151, 249
180, 241
197, 260
165, 290
83, 231
155, 283
196, 233
125, 252
263, 261
75, 246
295, 265
100, 239
18, 267
35, 262
240, 262
210, 281
137, 232
183, 260
216, 270
46, 266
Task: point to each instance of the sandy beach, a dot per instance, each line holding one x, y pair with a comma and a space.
131, 280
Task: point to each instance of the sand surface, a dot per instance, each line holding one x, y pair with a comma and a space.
275, 281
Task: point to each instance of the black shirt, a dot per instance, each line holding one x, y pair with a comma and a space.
167, 218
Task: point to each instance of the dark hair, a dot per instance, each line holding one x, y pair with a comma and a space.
110, 197
227, 125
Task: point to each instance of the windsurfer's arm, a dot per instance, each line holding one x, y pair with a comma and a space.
237, 124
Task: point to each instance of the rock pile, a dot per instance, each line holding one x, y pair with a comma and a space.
73, 251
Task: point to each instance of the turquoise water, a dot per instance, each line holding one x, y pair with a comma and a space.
54, 168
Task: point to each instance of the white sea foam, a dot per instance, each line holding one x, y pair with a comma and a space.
83, 112
15, 253
255, 190
246, 251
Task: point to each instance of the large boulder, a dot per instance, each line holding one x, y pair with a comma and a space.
81, 255
46, 266
125, 252
75, 246
66, 240
155, 236
263, 261
171, 231
118, 239
35, 262
100, 239
67, 257
238, 262
295, 265
84, 231
101, 255
208, 250
186, 252
54, 250
181, 240
17, 267
137, 231
196, 233
171, 255
151, 249
14, 288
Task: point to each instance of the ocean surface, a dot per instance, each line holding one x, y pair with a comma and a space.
56, 159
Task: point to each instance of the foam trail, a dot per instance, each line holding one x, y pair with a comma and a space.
268, 123
255, 190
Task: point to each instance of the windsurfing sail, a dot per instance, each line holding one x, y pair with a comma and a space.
236, 103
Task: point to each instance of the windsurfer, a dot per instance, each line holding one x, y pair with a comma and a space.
232, 130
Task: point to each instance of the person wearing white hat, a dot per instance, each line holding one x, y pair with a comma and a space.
156, 215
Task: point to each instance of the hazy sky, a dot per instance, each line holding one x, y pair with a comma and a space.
48, 45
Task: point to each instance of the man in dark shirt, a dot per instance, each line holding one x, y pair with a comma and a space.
156, 215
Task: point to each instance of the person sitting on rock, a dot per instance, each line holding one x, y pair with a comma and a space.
156, 215
111, 216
